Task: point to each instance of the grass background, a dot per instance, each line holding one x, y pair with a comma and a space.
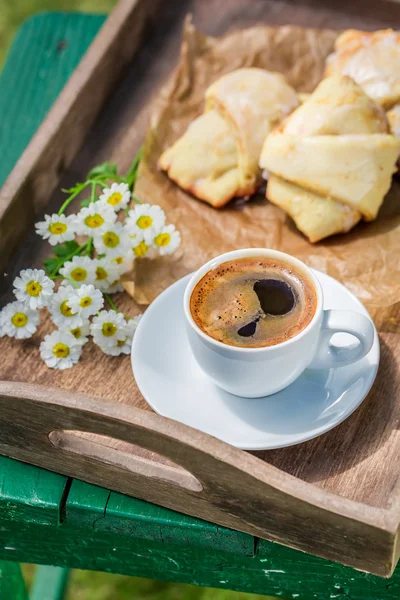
87, 585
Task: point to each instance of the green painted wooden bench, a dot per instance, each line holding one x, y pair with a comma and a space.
48, 519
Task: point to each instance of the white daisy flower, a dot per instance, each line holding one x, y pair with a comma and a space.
117, 196
94, 219
81, 332
108, 328
33, 288
145, 222
124, 346
106, 272
61, 313
86, 301
113, 242
19, 321
56, 228
81, 269
124, 262
168, 240
60, 350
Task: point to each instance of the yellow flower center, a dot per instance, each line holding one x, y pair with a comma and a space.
144, 222
65, 310
101, 274
162, 239
119, 260
94, 221
33, 288
140, 249
115, 198
61, 350
57, 228
19, 319
111, 239
108, 329
77, 332
79, 274
85, 302
121, 343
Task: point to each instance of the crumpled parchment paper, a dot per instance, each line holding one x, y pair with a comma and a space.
366, 260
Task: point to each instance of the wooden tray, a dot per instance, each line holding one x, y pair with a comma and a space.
337, 496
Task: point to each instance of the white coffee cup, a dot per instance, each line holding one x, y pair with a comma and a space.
256, 372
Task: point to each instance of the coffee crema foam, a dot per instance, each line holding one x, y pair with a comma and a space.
253, 302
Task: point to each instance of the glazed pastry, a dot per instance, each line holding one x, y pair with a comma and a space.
331, 161
216, 159
393, 116
372, 60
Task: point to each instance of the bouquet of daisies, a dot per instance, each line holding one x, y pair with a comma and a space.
92, 249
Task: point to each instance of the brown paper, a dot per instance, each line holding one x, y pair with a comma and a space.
366, 260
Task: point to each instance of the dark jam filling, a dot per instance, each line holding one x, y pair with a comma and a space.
276, 298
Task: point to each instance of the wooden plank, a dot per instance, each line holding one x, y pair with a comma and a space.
282, 572
52, 149
85, 505
45, 51
152, 522
29, 494
50, 583
89, 505
12, 584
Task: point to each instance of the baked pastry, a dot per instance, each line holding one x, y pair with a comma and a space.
217, 157
393, 116
331, 161
372, 60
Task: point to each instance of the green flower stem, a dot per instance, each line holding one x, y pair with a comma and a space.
110, 302
89, 248
93, 195
72, 196
131, 175
136, 199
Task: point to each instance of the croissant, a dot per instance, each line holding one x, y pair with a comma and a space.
216, 159
331, 161
372, 60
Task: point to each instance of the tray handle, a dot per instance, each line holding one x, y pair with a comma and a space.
219, 483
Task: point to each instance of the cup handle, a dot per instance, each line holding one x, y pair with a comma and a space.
342, 321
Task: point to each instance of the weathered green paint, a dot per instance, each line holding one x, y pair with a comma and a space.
46, 50
112, 512
50, 583
172, 527
282, 572
29, 494
12, 584
85, 505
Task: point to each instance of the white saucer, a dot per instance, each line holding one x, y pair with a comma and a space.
175, 387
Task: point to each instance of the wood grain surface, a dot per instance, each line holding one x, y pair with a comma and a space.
357, 461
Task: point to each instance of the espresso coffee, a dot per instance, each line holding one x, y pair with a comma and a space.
253, 302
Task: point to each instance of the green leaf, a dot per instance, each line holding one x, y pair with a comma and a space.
51, 265
66, 249
85, 203
104, 170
